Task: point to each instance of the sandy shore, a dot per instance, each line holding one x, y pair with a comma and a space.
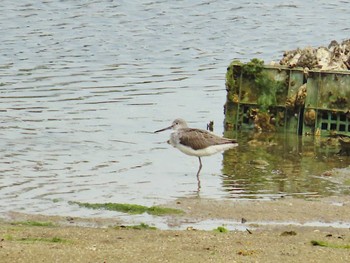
292, 226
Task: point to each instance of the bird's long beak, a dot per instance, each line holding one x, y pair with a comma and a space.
167, 128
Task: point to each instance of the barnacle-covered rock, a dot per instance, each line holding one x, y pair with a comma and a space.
335, 57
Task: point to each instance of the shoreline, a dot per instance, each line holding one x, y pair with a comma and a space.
323, 212
98, 240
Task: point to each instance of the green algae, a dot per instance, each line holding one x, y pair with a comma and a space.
327, 244
232, 73
221, 229
253, 69
35, 239
130, 208
141, 226
250, 79
40, 239
33, 223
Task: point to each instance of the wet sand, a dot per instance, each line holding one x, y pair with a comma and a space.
69, 241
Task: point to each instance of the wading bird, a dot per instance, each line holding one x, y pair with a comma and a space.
196, 142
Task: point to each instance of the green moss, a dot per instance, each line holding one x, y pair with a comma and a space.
33, 223
130, 208
330, 245
221, 229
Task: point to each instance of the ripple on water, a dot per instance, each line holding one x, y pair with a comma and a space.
84, 85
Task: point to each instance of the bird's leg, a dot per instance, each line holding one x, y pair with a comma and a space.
200, 167
200, 164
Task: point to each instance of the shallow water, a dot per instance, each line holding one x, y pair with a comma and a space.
269, 166
85, 83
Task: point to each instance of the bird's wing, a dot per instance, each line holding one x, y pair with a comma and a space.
200, 139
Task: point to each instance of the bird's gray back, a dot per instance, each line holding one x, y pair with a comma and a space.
200, 139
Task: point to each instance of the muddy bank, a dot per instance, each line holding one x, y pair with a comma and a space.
332, 210
76, 244
67, 241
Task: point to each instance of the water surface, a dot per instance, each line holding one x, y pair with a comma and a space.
85, 83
